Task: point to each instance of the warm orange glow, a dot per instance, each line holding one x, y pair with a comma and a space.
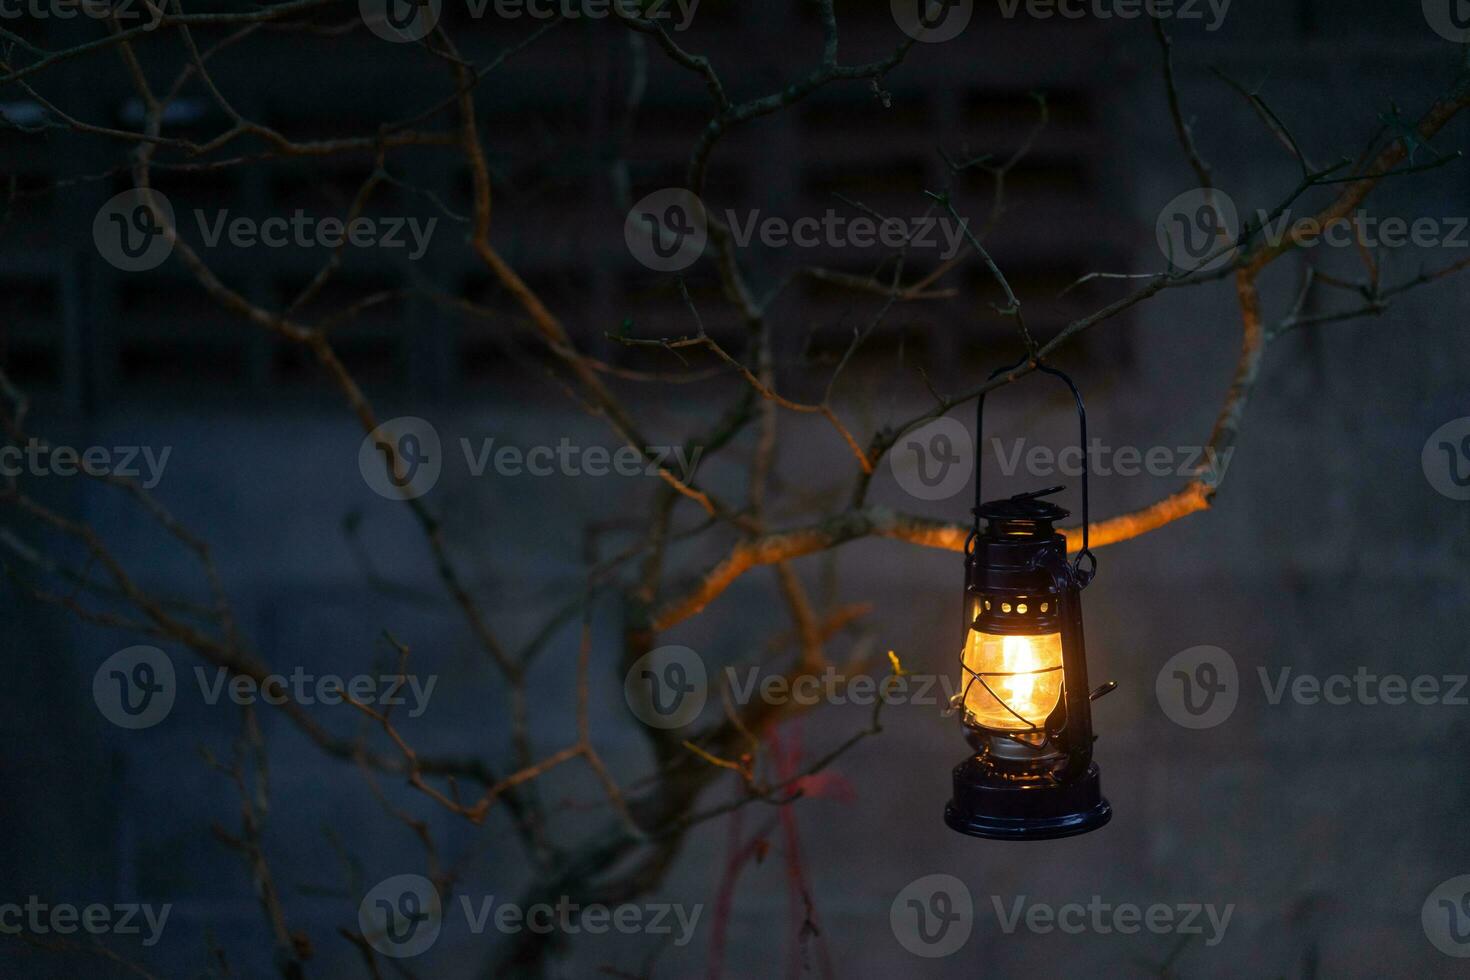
1007, 664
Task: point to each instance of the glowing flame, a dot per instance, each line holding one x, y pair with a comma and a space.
1023, 671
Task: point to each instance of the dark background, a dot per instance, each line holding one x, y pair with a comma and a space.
1326, 827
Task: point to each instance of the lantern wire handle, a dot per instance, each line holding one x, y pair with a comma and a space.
1083, 576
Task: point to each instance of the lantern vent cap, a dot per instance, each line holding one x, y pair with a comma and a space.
1024, 509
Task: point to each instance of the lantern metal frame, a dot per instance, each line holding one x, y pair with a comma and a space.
1038, 782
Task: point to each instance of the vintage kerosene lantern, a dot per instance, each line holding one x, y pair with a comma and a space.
1024, 699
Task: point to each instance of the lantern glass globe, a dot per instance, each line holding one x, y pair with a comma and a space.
1012, 683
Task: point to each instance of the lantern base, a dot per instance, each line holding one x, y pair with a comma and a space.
990, 804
